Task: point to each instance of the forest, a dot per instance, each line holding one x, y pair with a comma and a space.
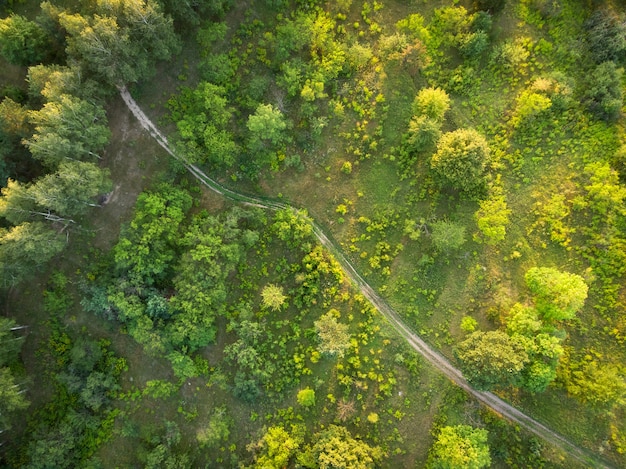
312, 234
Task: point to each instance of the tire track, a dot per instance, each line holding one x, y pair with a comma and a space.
429, 353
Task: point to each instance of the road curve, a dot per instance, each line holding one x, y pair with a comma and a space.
429, 353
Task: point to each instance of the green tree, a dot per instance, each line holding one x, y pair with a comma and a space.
432, 103
460, 447
12, 397
461, 160
146, 248
267, 126
490, 359
333, 335
122, 41
72, 188
26, 247
272, 297
22, 42
558, 295
447, 236
306, 397
277, 447
336, 448
606, 35
202, 118
492, 218
603, 91
423, 134
68, 128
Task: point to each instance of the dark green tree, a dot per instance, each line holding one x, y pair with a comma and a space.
603, 91
22, 42
606, 36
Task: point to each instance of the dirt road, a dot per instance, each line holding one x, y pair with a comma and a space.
434, 357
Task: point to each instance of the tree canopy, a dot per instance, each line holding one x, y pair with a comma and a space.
558, 295
460, 447
461, 160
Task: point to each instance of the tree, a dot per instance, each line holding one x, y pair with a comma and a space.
492, 218
122, 41
606, 36
447, 236
277, 447
432, 103
12, 398
461, 159
53, 81
490, 359
333, 335
72, 188
202, 117
336, 448
26, 247
146, 248
273, 297
306, 397
22, 42
558, 295
603, 91
266, 126
460, 447
68, 128
423, 134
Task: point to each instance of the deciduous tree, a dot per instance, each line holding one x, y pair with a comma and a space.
558, 295
22, 42
461, 160
490, 359
460, 447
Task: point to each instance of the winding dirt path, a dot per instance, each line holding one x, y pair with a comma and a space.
429, 353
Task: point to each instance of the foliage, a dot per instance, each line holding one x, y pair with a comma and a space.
277, 447
147, 247
68, 127
558, 295
491, 359
202, 119
336, 448
273, 297
432, 103
12, 398
333, 335
606, 36
266, 126
492, 218
22, 42
460, 447
25, 248
122, 41
603, 93
306, 397
461, 160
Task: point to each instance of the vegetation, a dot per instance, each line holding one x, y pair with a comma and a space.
467, 158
